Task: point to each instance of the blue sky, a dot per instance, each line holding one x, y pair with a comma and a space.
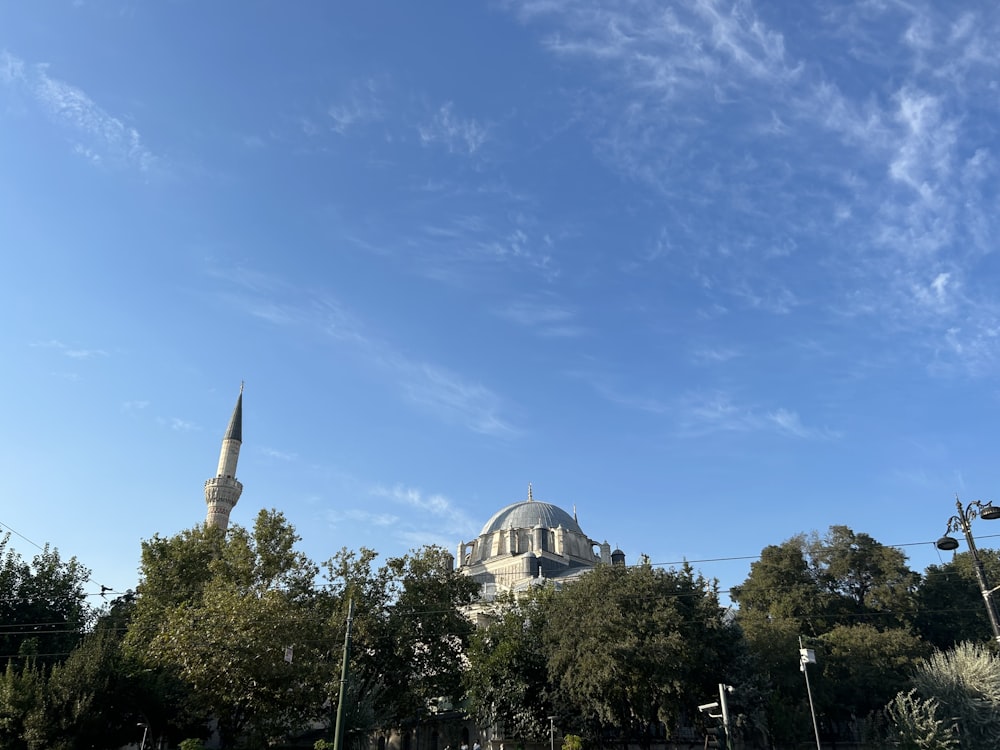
713, 273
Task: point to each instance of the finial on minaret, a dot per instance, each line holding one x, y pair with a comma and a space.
530, 498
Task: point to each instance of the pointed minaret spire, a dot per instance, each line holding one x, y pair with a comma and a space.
222, 492
530, 498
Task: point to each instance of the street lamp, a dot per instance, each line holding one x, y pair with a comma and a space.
963, 522
552, 733
145, 731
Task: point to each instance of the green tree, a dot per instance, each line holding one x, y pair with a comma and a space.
429, 631
965, 683
633, 647
862, 667
22, 707
863, 577
43, 609
507, 680
409, 636
950, 606
221, 611
852, 593
914, 723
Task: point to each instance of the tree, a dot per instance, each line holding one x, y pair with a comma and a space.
221, 611
430, 632
861, 668
409, 635
634, 647
950, 607
826, 588
913, 723
43, 609
965, 683
22, 707
507, 681
864, 577
782, 587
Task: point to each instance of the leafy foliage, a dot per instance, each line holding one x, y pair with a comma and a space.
507, 681
965, 682
950, 606
915, 724
630, 647
850, 595
43, 606
219, 613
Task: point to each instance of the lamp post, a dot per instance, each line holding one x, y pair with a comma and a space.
145, 731
552, 733
962, 522
808, 656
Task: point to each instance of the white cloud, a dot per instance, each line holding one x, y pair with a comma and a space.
278, 455
357, 515
452, 398
700, 414
178, 425
545, 317
361, 105
457, 134
68, 351
104, 137
435, 389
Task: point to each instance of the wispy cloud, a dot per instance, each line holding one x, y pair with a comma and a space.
359, 106
435, 389
69, 351
98, 136
445, 520
706, 413
457, 134
889, 188
715, 355
177, 424
358, 515
547, 317
452, 398
278, 455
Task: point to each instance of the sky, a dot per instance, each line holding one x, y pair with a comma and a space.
712, 274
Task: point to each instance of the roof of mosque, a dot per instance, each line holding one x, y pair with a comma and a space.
528, 514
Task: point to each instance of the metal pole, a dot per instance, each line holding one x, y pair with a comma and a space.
724, 705
338, 735
977, 564
812, 709
552, 733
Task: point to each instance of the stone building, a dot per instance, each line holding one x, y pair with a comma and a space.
223, 491
529, 543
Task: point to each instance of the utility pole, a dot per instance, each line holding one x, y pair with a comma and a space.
724, 690
338, 736
808, 656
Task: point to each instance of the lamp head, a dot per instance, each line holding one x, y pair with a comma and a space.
947, 543
990, 512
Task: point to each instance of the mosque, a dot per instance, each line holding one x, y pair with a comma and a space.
524, 544
528, 543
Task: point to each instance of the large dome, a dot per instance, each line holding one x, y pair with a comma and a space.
528, 514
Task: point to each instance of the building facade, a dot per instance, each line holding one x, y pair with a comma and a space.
530, 543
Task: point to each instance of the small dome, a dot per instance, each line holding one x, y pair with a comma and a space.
528, 514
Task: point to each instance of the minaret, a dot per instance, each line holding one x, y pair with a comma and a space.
223, 491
